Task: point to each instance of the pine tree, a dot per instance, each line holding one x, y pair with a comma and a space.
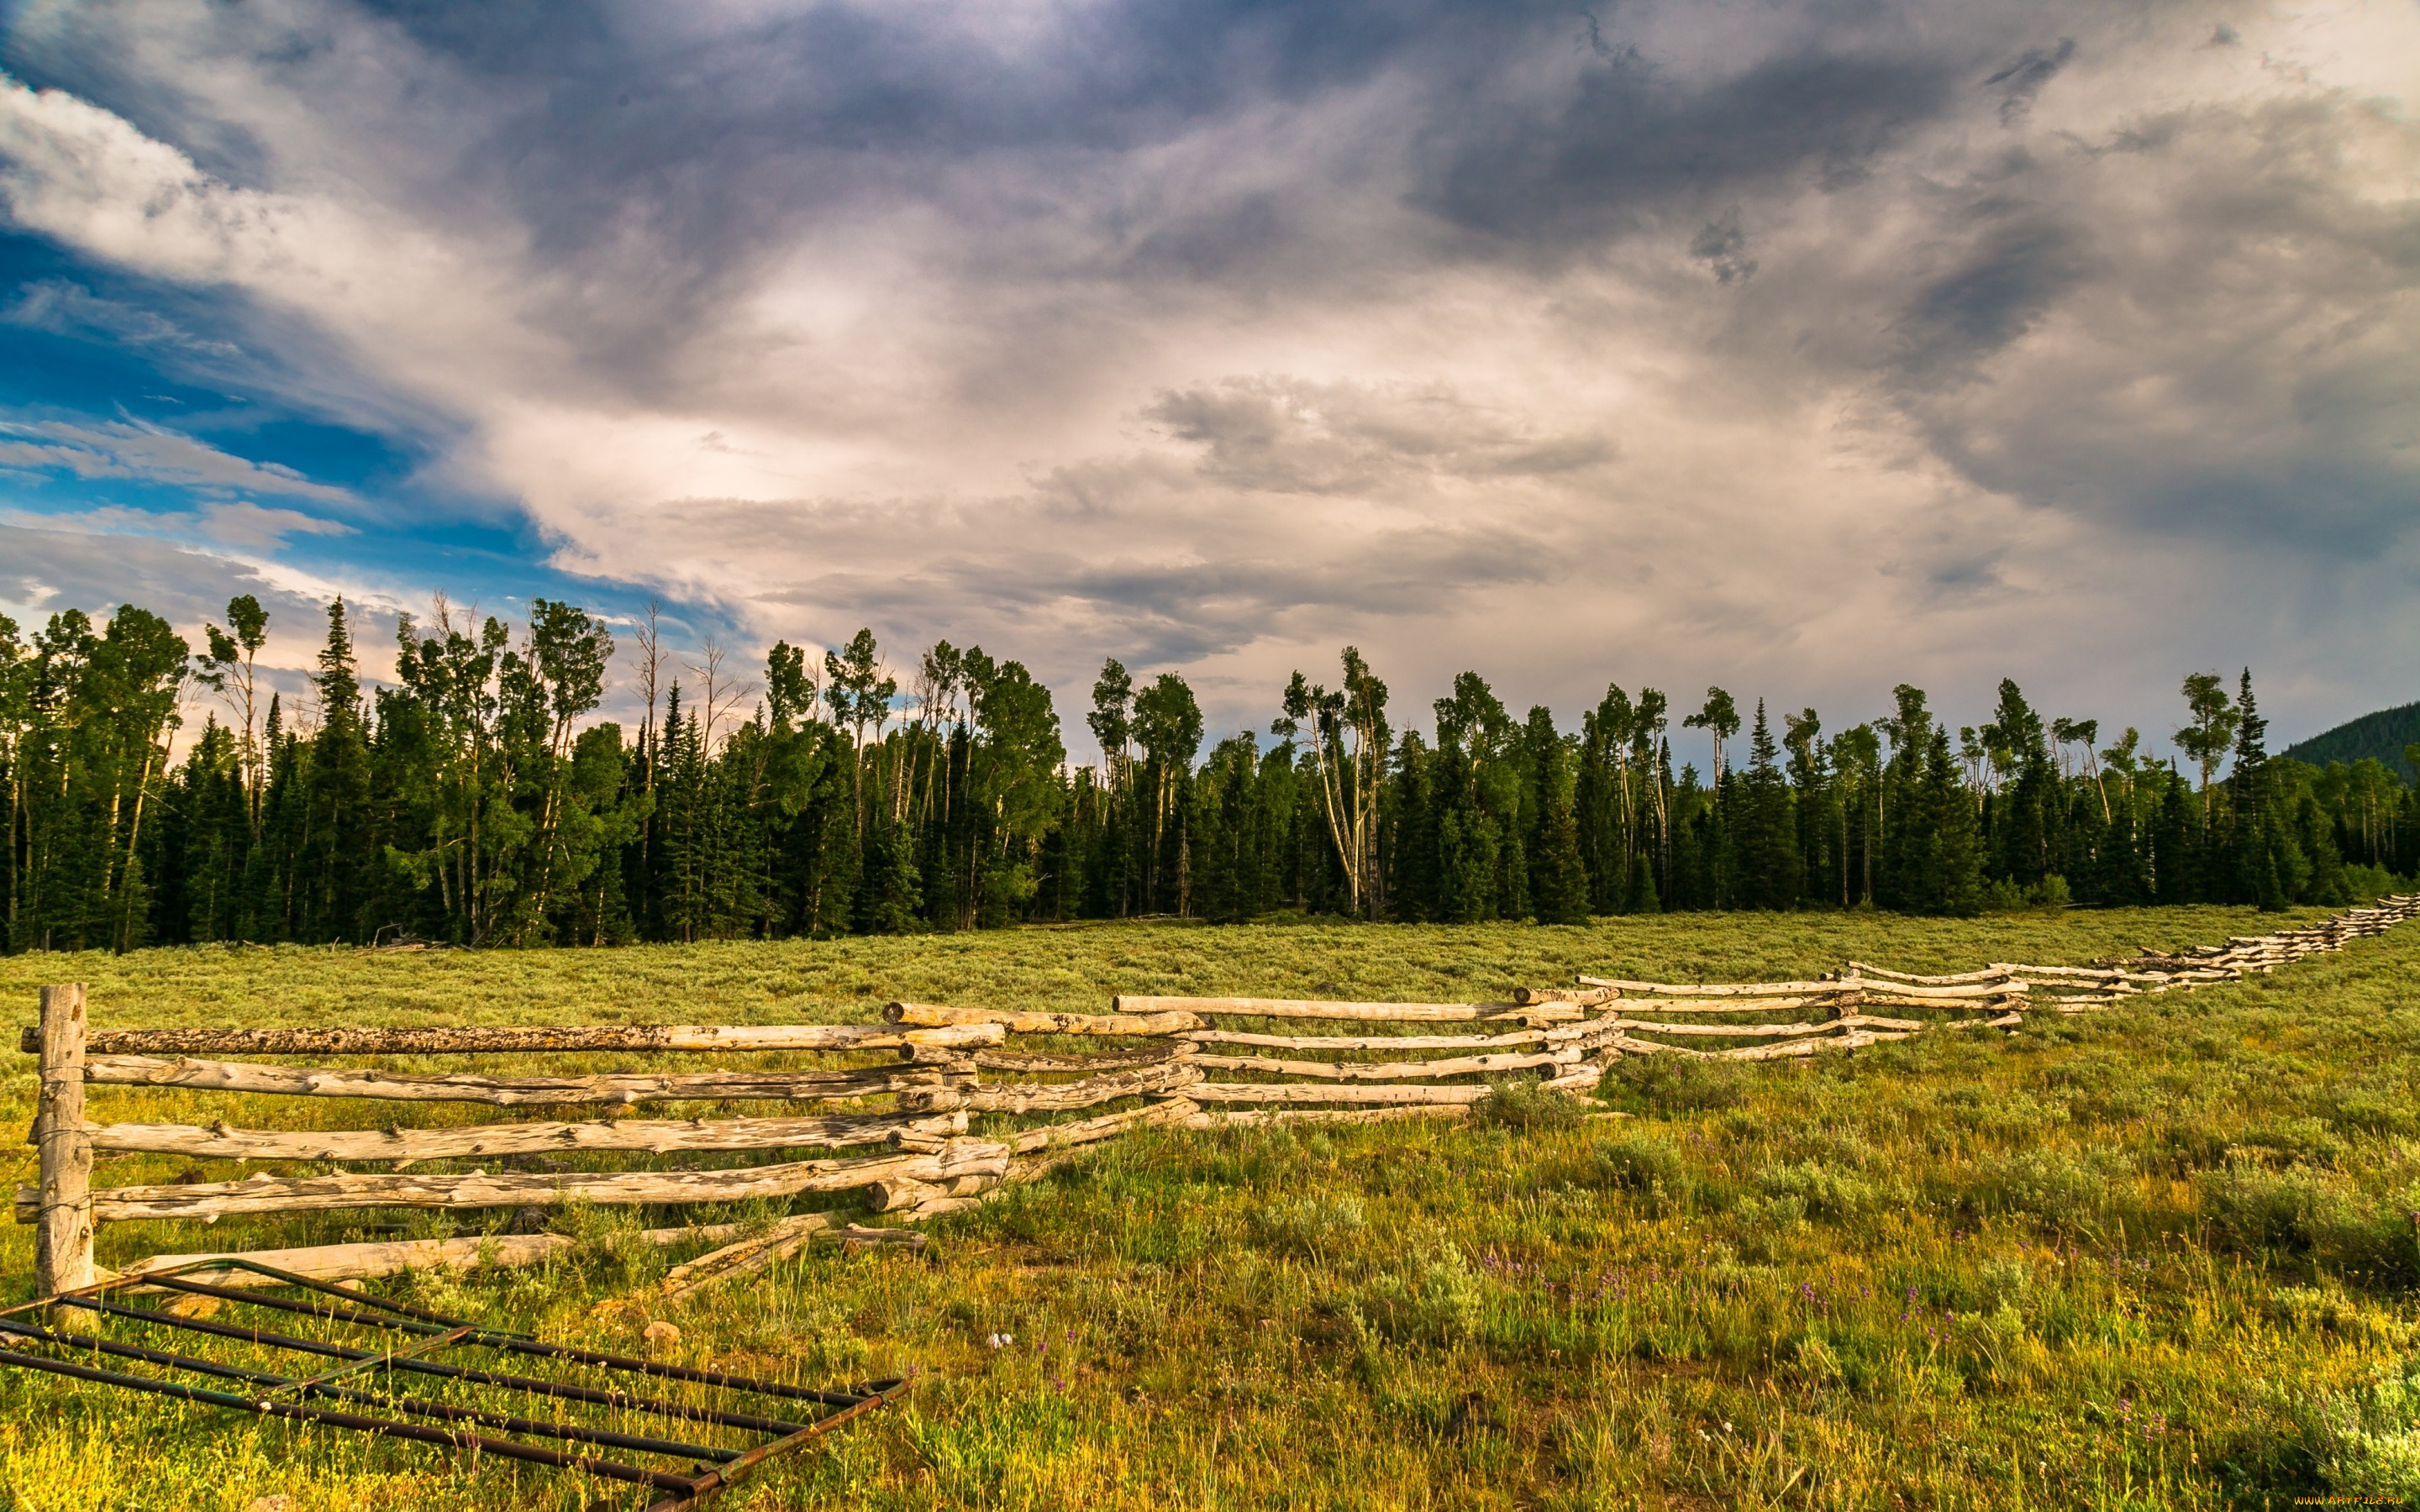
2270, 865
337, 843
1602, 800
1955, 885
890, 900
1903, 825
1558, 873
1766, 868
2028, 828
1815, 808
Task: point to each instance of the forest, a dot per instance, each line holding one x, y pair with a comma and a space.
478, 802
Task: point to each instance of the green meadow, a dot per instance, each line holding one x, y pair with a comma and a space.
2161, 1257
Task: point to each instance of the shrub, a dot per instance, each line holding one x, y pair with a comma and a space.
2325, 1311
2299, 1212
2005, 1281
2098, 1088
1526, 1102
1680, 1084
1642, 1163
2304, 1141
2366, 1112
2365, 883
2050, 1186
1822, 1191
1430, 1295
1998, 1115
2010, 897
1311, 1226
609, 1252
2184, 1146
2366, 1441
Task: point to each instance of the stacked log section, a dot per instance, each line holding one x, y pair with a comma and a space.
1372, 1042
267, 1194
372, 1260
941, 1087
1299, 1008
1092, 1091
1251, 1118
1387, 1071
492, 1041
1285, 1092
1016, 1021
1105, 1060
406, 1146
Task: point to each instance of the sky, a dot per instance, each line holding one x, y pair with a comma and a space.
1802, 346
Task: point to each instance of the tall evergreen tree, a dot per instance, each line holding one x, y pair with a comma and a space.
1767, 870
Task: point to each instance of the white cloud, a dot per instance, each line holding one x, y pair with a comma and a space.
150, 454
53, 564
249, 524
60, 305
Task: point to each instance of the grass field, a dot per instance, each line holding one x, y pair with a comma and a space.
2160, 1257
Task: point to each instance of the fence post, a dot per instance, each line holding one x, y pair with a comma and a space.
63, 1239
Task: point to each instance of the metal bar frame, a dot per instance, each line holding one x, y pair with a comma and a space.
269, 1394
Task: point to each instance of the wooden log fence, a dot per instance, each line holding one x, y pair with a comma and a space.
751, 1254
487, 1040
1255, 1118
946, 1061
212, 1201
1019, 1021
385, 1258
405, 1147
1029, 1097
1294, 1092
939, 1088
1733, 989
1393, 1071
63, 1217
1299, 1007
1105, 1060
2003, 991
1370, 1042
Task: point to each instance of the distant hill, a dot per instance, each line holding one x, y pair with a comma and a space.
2382, 734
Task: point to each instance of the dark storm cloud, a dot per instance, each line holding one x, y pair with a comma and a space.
1204, 329
1722, 246
2016, 272
1177, 613
693, 145
587, 110
1289, 436
2023, 79
1629, 139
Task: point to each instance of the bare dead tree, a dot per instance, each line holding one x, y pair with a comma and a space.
724, 694
651, 662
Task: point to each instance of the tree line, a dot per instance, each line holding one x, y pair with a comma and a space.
477, 801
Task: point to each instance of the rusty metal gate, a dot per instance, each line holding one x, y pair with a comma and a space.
389, 1363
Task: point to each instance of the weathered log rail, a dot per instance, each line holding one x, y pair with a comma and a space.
211, 1200
487, 1039
936, 1088
947, 1065
405, 1147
